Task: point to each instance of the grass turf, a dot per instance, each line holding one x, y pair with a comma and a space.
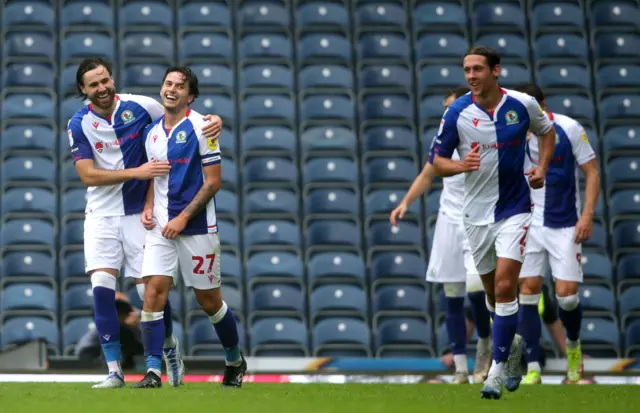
314, 398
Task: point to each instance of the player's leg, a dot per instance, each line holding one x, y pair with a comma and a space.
103, 257
159, 265
133, 239
200, 266
566, 267
457, 329
482, 321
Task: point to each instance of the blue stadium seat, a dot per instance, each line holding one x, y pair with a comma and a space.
270, 234
404, 337
140, 14
29, 266
338, 300
232, 297
27, 234
442, 16
335, 108
385, 171
626, 236
383, 201
73, 233
336, 268
28, 170
68, 175
433, 204
386, 76
271, 140
271, 201
564, 76
600, 337
396, 300
629, 306
440, 76
281, 267
80, 15
204, 15
143, 76
599, 239
24, 329
619, 107
579, 107
392, 267
614, 76
558, 17
271, 172
205, 47
73, 331
223, 106
324, 15
386, 107
231, 270
279, 337
623, 15
28, 45
32, 107
226, 203
276, 300
597, 268
381, 15
28, 138
203, 340
29, 299
346, 337
31, 15
266, 76
263, 15
624, 46
512, 75
229, 234
598, 301
328, 138
439, 46
332, 235
339, 201
324, 47
333, 170
510, 46
325, 77
72, 268
383, 46
498, 17
265, 46
430, 110
405, 235
270, 108
147, 46
627, 271
565, 47
389, 138
622, 171
624, 204
78, 46
229, 174
77, 301
28, 75
632, 339
29, 202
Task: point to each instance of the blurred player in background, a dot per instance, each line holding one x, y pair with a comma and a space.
180, 217
451, 264
489, 128
556, 235
106, 145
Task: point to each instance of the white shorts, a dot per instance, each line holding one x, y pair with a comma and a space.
555, 247
505, 239
198, 256
114, 242
450, 260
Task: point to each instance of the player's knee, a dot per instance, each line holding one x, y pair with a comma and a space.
566, 288
531, 286
454, 290
505, 290
474, 284
103, 279
568, 303
529, 299
210, 300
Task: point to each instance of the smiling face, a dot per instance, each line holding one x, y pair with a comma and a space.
175, 92
480, 77
97, 85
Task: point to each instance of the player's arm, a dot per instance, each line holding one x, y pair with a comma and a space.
443, 146
586, 158
542, 126
418, 187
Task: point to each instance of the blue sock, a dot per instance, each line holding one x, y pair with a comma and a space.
504, 329
225, 324
152, 327
530, 328
107, 322
480, 313
456, 325
168, 321
572, 321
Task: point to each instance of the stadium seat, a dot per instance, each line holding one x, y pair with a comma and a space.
389, 171
33, 108
341, 337
626, 236
564, 76
203, 340
208, 15
441, 16
263, 16
338, 109
137, 76
28, 299
386, 108
33, 138
147, 46
271, 108
385, 76
82, 15
324, 48
265, 76
440, 76
28, 234
29, 202
328, 138
405, 235
399, 300
279, 202
72, 268
223, 106
77, 301
628, 306
332, 235
338, 300
323, 14
229, 234
624, 204
279, 337
80, 45
618, 16
382, 201
614, 77
499, 17
622, 171
599, 238
576, 106
510, 46
336, 268
627, 271
276, 300
73, 331
556, 47
632, 339
600, 337
392, 267
214, 76
339, 201
598, 301
28, 267
333, 170
383, 46
265, 46
142, 15
28, 45
622, 46
32, 15
28, 75
389, 138
205, 47
559, 17
280, 267
25, 329
325, 77
232, 297
512, 75
271, 172
381, 16
269, 140
596, 268
404, 337
619, 108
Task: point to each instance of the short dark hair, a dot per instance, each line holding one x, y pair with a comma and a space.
493, 58
531, 89
87, 65
457, 92
191, 78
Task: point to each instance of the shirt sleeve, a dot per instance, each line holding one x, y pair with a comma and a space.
447, 139
539, 122
153, 108
209, 149
582, 150
78, 142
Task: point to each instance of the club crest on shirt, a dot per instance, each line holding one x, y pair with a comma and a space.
127, 116
181, 137
212, 143
511, 117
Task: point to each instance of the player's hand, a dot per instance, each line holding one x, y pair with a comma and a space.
147, 219
398, 213
152, 169
174, 228
471, 162
536, 177
213, 127
583, 229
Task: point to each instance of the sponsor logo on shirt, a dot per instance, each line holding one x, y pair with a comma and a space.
584, 137
212, 143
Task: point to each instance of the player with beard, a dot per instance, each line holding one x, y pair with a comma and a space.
108, 152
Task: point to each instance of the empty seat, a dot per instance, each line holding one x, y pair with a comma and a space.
27, 298
27, 234
334, 108
265, 46
73, 331
618, 76
266, 76
383, 201
275, 266
28, 75
383, 46
333, 170
617, 46
270, 234
271, 201
336, 268
328, 138
564, 76
400, 300
203, 340
381, 15
624, 204
263, 15
223, 105
386, 76
341, 337
508, 45
229, 234
323, 201
616, 15
442, 16
282, 300
600, 337
439, 46
28, 15
24, 329
77, 300
626, 235
145, 15
597, 300
79, 15
28, 45
389, 138
207, 15
323, 14
325, 47
332, 235
36, 202
561, 46
143, 75
556, 17
270, 171
404, 337
619, 107
629, 306
78, 46
269, 108
389, 171
576, 106
325, 76
148, 46
440, 76
279, 337
632, 339
512, 75
28, 137
29, 264
596, 268
403, 235
387, 108
498, 17
31, 107
622, 171
398, 267
205, 46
